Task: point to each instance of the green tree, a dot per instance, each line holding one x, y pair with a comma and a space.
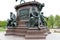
57, 20
50, 22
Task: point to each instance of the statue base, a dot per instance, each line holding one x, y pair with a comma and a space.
28, 33
18, 31
34, 33
23, 22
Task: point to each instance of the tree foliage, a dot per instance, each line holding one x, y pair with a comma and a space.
3, 23
57, 20
53, 21
50, 21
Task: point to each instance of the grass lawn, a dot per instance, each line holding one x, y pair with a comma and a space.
2, 29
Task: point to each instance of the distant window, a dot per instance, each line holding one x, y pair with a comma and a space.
24, 13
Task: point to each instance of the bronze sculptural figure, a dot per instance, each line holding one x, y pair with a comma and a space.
21, 1
34, 18
42, 19
12, 20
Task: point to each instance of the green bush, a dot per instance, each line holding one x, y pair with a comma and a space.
3, 24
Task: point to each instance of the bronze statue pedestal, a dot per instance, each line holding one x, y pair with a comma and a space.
29, 33
34, 33
24, 23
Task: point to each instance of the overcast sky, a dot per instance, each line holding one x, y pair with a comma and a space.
52, 7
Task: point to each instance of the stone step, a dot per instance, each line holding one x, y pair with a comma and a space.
36, 31
10, 33
39, 36
10, 27
35, 36
33, 33
20, 34
16, 33
21, 27
23, 20
17, 30
28, 33
34, 39
17, 27
20, 30
10, 30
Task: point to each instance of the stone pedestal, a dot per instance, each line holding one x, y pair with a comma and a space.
34, 33
29, 33
23, 22
10, 31
19, 31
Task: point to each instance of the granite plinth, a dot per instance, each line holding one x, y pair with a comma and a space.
34, 33
31, 33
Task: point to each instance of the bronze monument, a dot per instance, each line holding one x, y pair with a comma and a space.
29, 22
